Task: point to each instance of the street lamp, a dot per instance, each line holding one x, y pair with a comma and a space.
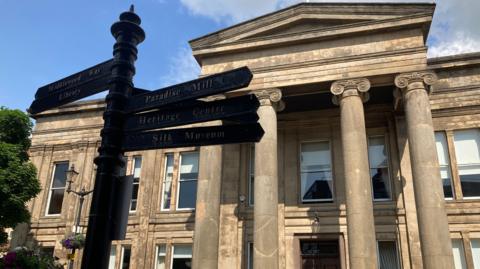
71, 173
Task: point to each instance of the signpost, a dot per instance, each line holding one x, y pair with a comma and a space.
132, 118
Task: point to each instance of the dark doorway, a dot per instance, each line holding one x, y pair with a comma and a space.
317, 254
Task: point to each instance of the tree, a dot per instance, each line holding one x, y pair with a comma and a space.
18, 176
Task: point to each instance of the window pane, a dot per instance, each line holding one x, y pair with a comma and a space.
167, 182
458, 254
251, 176
377, 153
113, 254
126, 258
316, 174
137, 165
56, 200
60, 175
182, 257
189, 163
387, 255
378, 160
160, 257
380, 183
476, 252
444, 162
466, 146
250, 255
468, 160
187, 194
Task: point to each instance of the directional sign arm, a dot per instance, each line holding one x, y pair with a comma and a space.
187, 137
83, 77
201, 112
210, 85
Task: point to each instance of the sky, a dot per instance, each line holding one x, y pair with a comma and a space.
44, 41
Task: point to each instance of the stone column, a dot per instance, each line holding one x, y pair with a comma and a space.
265, 211
362, 245
432, 218
207, 211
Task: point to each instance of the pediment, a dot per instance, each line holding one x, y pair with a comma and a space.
307, 17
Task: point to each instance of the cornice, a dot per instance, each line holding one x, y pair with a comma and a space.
63, 146
372, 10
312, 35
69, 129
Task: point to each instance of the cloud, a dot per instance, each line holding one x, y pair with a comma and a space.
182, 67
455, 28
230, 11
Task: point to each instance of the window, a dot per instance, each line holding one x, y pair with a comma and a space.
387, 255
458, 254
251, 176
182, 257
167, 182
160, 259
444, 161
467, 144
47, 251
137, 167
111, 259
250, 255
475, 243
125, 261
57, 188
316, 172
187, 189
379, 172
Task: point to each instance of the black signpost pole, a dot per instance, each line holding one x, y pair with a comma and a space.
128, 35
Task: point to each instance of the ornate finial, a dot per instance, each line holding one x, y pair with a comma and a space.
132, 8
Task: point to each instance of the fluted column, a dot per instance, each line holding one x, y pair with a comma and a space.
265, 212
432, 218
207, 210
350, 95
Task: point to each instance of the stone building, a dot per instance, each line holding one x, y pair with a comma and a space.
371, 153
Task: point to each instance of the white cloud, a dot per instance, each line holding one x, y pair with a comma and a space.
182, 67
454, 30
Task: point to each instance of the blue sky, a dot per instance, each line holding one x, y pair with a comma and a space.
43, 41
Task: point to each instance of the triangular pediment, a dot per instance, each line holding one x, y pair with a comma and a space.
308, 17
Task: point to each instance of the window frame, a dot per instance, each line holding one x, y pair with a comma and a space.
457, 165
162, 186
178, 185
251, 175
389, 167
133, 183
397, 251
172, 251
122, 256
49, 196
449, 165
157, 248
316, 201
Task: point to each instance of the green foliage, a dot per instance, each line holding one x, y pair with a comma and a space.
26, 259
18, 180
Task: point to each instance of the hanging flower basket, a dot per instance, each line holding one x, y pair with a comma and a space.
74, 241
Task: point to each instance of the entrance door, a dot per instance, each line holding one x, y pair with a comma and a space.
320, 254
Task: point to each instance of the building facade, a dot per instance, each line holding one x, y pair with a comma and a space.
371, 154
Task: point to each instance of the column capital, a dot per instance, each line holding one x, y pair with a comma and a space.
350, 87
427, 78
270, 97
